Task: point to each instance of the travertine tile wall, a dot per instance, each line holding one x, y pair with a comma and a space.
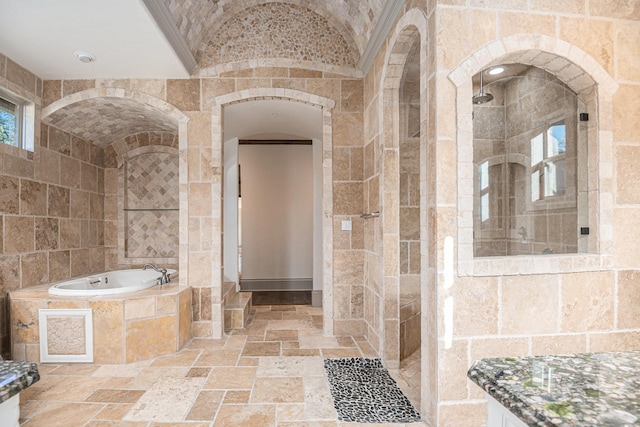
51, 204
196, 97
155, 235
563, 308
507, 311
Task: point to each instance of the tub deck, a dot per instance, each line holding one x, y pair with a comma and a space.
127, 327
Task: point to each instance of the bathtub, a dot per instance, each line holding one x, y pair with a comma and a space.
108, 283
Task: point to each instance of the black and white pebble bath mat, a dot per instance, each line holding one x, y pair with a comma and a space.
364, 392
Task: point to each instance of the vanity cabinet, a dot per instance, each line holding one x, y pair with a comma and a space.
499, 416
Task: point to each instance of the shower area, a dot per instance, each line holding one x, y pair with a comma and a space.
409, 205
529, 149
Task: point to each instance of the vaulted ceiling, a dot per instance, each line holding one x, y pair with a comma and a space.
221, 35
165, 39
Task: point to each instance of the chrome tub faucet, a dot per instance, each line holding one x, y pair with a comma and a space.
166, 277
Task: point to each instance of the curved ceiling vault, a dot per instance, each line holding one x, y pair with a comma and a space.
106, 120
221, 31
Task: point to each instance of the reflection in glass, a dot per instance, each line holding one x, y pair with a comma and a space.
526, 145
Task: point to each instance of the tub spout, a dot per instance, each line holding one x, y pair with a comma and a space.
166, 277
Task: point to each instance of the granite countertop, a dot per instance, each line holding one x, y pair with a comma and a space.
591, 389
15, 377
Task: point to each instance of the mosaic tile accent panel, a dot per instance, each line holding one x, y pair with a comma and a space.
152, 234
295, 33
364, 392
66, 335
152, 181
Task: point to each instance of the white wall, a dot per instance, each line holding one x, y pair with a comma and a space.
277, 211
230, 257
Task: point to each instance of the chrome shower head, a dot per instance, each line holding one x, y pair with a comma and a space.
482, 96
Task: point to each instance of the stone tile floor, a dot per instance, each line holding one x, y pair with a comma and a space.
269, 374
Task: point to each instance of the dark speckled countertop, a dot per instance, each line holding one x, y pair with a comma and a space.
592, 389
15, 377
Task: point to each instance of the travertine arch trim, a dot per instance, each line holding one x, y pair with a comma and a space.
121, 158
217, 135
180, 119
412, 26
279, 62
594, 86
162, 106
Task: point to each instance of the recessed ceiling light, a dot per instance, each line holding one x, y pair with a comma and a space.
83, 56
496, 70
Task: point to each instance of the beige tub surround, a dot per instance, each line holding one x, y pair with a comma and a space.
125, 327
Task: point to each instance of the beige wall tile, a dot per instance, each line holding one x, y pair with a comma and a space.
529, 306
475, 302
348, 267
326, 88
348, 198
70, 172
452, 371
184, 94
20, 76
587, 301
463, 414
150, 338
33, 198
515, 23
498, 347
59, 265
591, 35
9, 273
626, 101
559, 344
614, 341
9, 195
242, 84
616, 9
347, 129
625, 245
137, 308
566, 6
58, 201
108, 331
34, 269
351, 95
72, 86
19, 234
628, 297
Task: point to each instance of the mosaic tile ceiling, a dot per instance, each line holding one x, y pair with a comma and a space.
105, 120
277, 30
202, 22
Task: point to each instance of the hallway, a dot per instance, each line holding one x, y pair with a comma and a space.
270, 374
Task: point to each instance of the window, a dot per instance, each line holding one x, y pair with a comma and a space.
9, 123
16, 116
548, 174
